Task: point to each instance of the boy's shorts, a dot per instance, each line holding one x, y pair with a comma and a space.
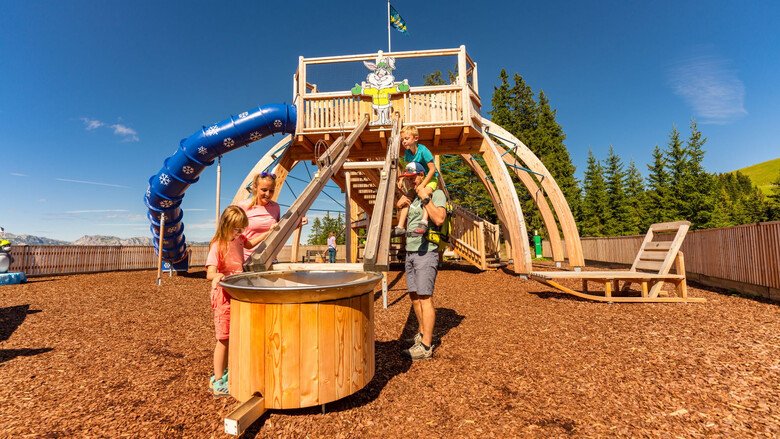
220, 303
433, 184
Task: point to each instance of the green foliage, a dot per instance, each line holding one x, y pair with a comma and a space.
321, 228
436, 79
595, 206
763, 174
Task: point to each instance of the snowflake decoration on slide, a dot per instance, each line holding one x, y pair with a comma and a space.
278, 123
228, 142
255, 135
148, 192
202, 150
170, 230
188, 170
166, 203
164, 179
212, 131
243, 115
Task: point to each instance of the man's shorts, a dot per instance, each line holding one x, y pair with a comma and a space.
220, 303
421, 270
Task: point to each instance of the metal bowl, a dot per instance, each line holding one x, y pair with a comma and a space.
299, 286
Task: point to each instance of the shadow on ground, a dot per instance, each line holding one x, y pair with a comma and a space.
11, 318
389, 363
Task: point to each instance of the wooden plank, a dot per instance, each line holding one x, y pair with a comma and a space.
326, 336
367, 328
244, 415
234, 348
273, 356
356, 344
257, 348
245, 390
291, 355
309, 357
341, 342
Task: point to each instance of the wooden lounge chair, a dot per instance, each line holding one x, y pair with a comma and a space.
650, 270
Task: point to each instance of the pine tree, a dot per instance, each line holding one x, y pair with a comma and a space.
774, 200
697, 200
636, 201
549, 137
658, 193
615, 181
677, 166
595, 205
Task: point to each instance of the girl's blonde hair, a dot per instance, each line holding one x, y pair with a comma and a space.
233, 217
258, 177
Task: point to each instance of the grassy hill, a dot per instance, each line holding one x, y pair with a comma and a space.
762, 174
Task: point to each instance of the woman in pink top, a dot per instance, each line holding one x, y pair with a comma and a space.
262, 211
226, 256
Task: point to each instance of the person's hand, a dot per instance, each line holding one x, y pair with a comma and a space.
420, 191
215, 281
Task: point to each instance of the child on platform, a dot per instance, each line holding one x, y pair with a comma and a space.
420, 154
226, 256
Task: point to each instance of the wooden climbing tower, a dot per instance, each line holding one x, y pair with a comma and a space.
344, 133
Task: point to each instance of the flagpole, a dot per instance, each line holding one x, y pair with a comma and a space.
388, 27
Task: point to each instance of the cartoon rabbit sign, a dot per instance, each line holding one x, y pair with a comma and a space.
380, 84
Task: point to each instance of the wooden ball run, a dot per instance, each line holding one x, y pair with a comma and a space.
300, 338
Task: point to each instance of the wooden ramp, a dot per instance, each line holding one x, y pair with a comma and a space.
650, 270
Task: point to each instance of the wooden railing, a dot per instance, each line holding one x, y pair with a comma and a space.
746, 258
473, 238
436, 105
42, 260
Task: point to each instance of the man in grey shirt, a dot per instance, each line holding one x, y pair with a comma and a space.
422, 260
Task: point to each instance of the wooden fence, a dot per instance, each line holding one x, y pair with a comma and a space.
42, 260
745, 258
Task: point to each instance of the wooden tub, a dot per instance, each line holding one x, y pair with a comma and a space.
300, 338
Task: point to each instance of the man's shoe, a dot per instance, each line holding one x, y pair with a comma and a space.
416, 339
398, 231
418, 352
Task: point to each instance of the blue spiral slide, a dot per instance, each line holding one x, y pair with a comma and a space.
166, 188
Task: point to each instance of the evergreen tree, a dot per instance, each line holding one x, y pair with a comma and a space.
697, 201
595, 205
321, 228
677, 166
615, 182
774, 200
658, 193
635, 195
548, 136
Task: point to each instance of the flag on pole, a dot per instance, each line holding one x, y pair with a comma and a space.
397, 21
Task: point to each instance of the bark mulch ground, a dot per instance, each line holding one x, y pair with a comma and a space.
113, 355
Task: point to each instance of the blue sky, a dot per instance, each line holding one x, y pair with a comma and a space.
94, 95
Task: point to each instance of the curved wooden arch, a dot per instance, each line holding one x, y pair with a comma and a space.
492, 193
541, 203
570, 234
521, 251
264, 162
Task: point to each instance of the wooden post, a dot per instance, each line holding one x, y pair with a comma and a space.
219, 189
160, 250
348, 216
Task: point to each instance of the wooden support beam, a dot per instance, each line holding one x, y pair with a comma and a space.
383, 139
244, 415
268, 158
436, 137
358, 144
329, 162
376, 256
464, 135
305, 142
364, 165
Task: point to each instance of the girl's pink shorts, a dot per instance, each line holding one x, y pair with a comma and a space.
220, 303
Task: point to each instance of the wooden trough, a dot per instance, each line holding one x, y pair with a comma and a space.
298, 339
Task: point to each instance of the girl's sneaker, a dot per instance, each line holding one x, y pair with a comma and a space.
219, 388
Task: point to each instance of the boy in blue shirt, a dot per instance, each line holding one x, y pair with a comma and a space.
419, 159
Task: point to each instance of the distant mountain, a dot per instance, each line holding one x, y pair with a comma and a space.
84, 240
112, 240
763, 174
31, 240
